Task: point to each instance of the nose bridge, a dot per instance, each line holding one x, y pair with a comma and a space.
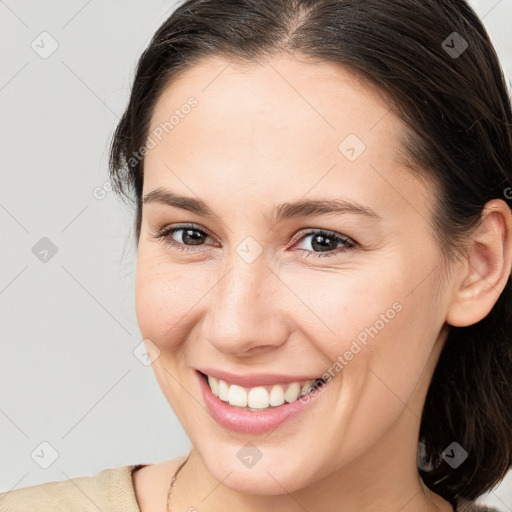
243, 314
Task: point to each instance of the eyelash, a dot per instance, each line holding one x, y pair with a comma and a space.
163, 235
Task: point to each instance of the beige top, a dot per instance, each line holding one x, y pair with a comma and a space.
111, 490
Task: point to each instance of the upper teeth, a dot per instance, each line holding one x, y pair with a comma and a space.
259, 397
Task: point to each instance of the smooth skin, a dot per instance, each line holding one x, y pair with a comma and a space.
262, 135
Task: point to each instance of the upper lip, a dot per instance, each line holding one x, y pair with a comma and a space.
255, 379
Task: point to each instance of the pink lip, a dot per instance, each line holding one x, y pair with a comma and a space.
251, 381
250, 422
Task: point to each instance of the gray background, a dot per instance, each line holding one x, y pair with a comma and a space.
69, 375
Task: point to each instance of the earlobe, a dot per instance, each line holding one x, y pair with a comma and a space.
486, 268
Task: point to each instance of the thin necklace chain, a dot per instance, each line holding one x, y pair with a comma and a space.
173, 479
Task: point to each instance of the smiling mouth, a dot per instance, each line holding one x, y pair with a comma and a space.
260, 398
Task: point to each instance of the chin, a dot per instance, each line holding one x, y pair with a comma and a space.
273, 474
259, 482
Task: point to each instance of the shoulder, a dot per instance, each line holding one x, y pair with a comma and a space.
111, 490
471, 506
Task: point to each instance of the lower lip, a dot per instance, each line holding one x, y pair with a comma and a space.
250, 422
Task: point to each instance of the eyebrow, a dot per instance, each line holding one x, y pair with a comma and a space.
301, 208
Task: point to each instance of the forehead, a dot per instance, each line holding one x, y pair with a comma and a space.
281, 125
283, 89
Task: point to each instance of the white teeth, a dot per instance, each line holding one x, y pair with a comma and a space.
276, 395
260, 397
292, 392
214, 385
223, 390
237, 396
305, 389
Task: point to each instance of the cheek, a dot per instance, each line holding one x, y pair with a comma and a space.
161, 297
358, 320
378, 337
344, 306
169, 298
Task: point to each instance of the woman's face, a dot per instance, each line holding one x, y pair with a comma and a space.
254, 289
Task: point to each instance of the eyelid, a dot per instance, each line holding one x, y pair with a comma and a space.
310, 231
348, 243
186, 225
301, 234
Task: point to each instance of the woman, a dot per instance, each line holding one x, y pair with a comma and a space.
324, 250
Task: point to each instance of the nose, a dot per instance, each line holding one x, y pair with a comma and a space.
246, 314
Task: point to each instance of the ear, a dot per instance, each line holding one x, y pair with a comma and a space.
486, 267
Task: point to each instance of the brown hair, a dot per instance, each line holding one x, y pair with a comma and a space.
437, 67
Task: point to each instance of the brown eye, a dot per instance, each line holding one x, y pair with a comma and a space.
325, 242
188, 236
182, 237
